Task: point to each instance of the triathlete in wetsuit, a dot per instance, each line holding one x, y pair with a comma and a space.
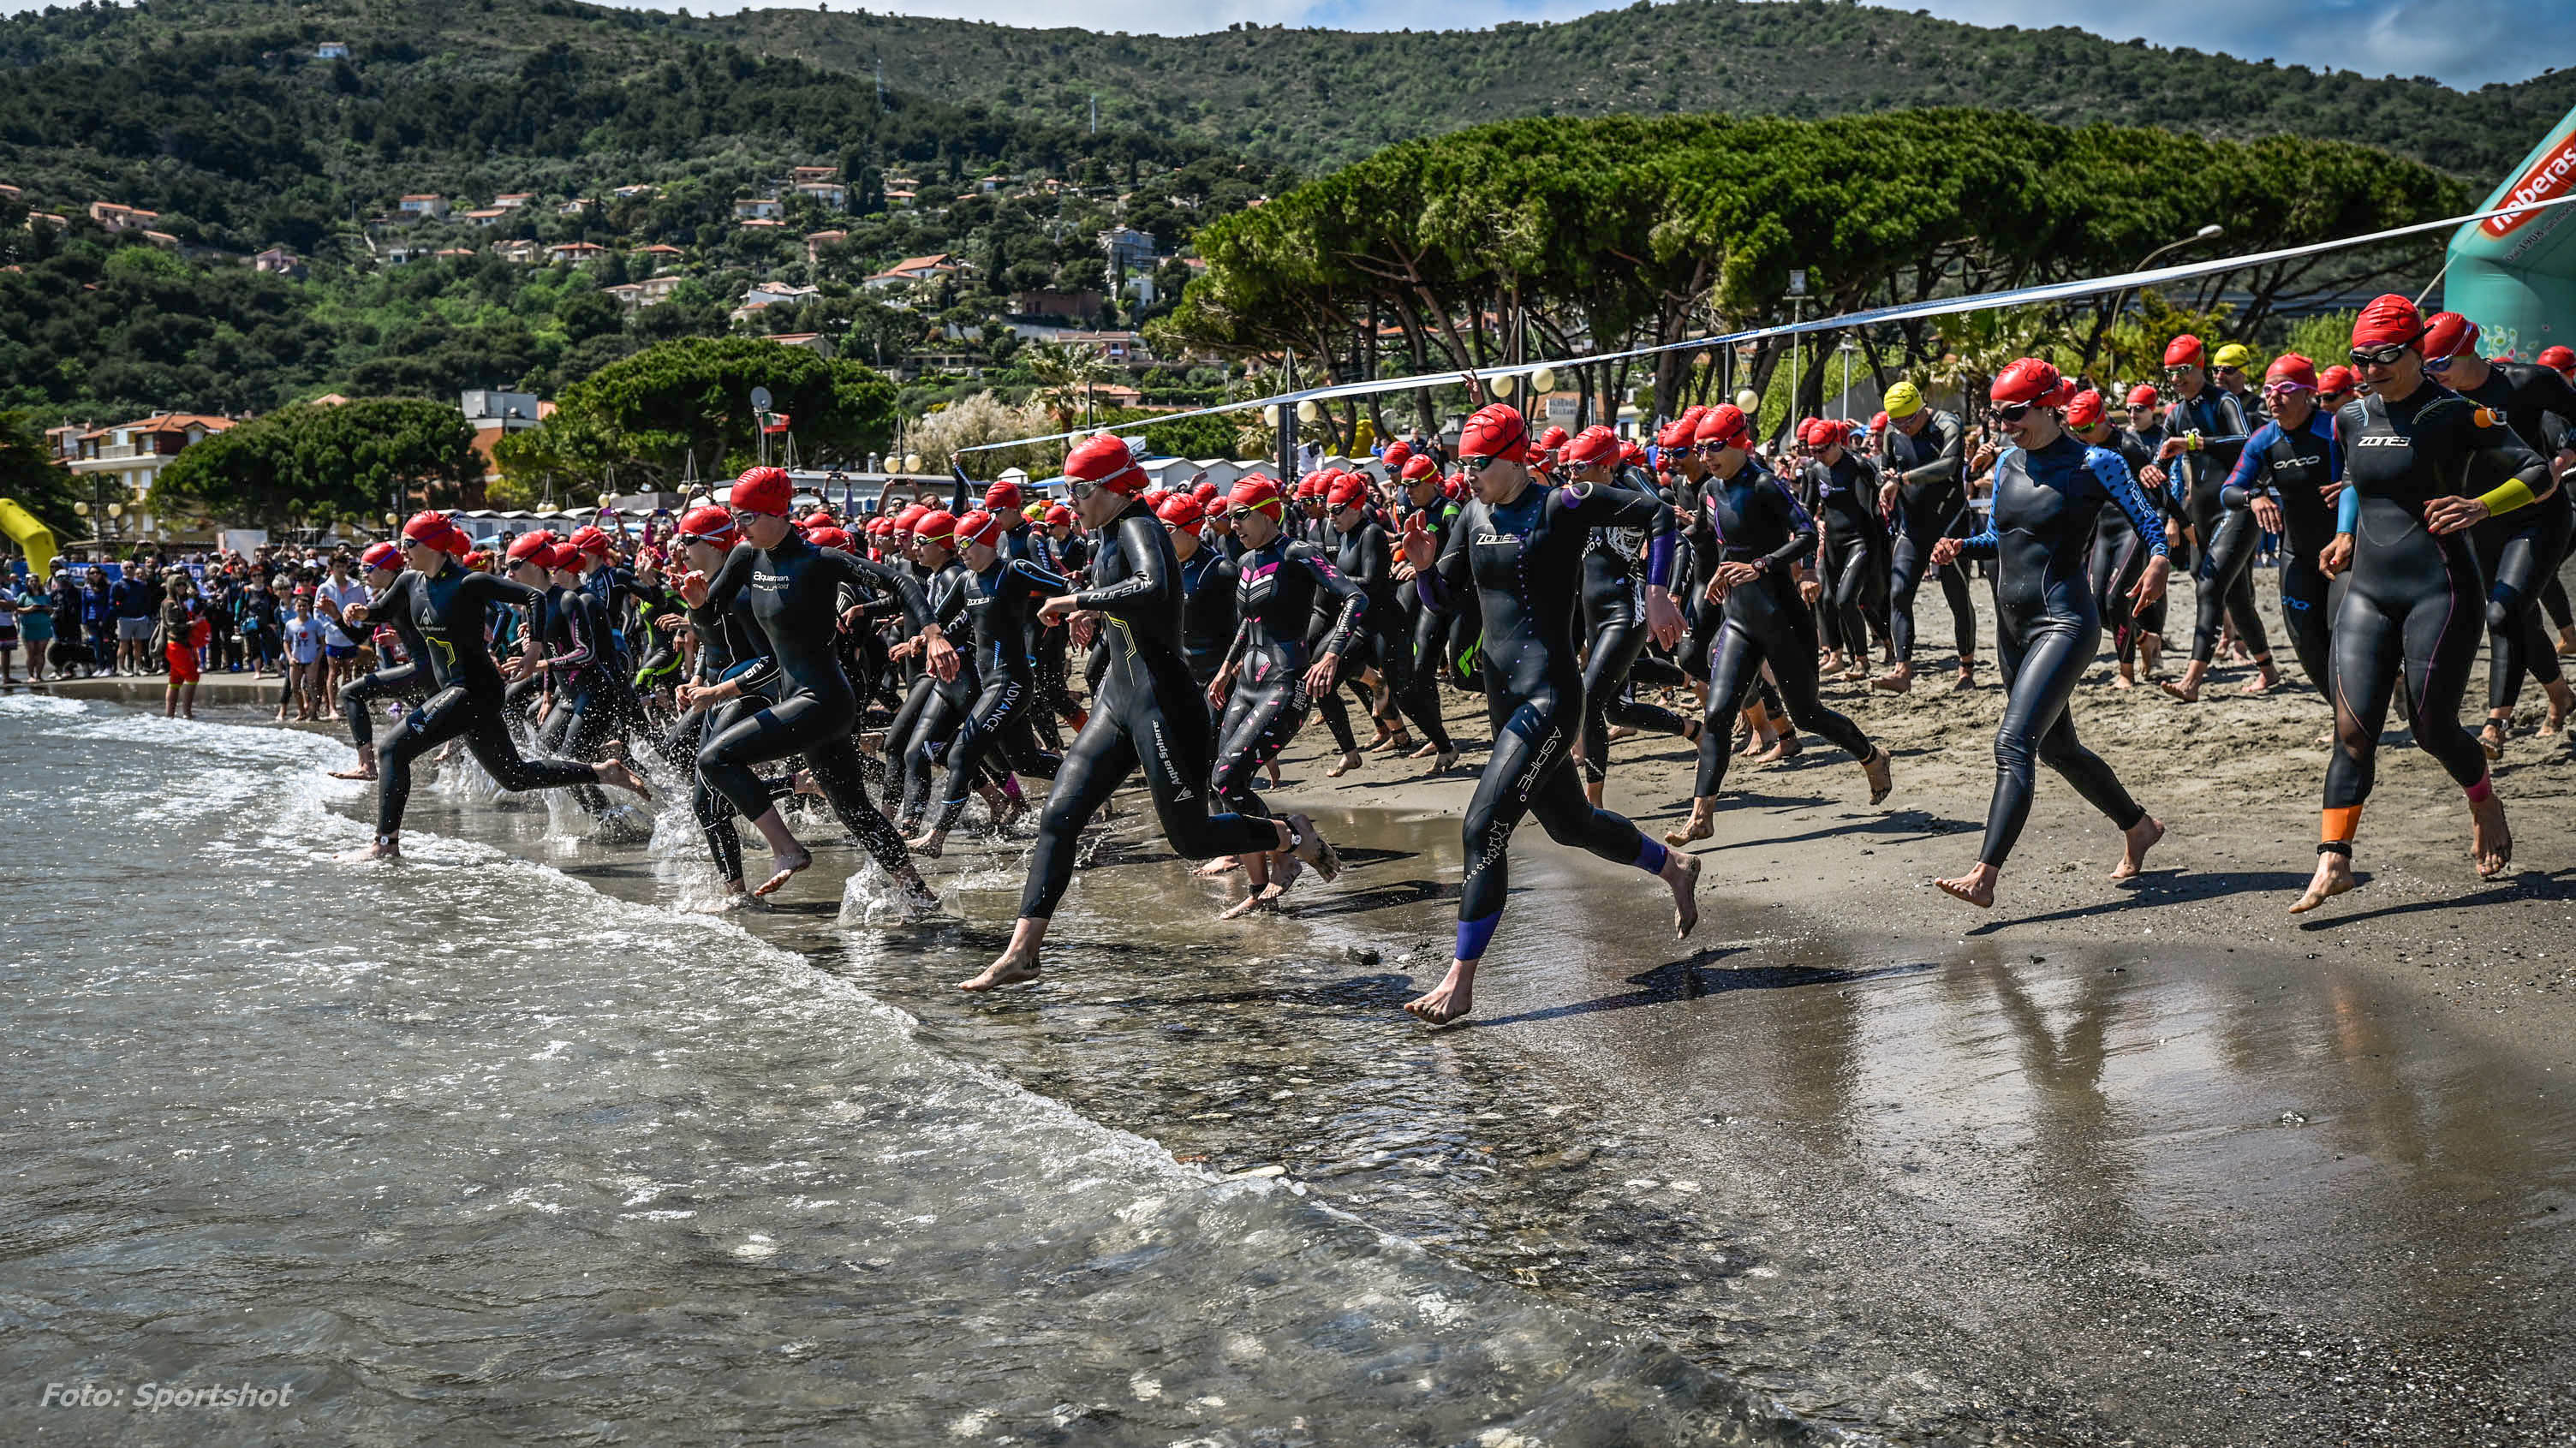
2519, 556
726, 640
2287, 475
2120, 552
447, 603
794, 591
2206, 430
1270, 672
1208, 581
2047, 486
1428, 627
1148, 712
1366, 557
1923, 453
913, 745
407, 681
1614, 617
1002, 594
1519, 545
1754, 533
1852, 556
2410, 612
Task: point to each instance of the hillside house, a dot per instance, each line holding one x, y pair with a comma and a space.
129, 457
758, 208
811, 341
815, 241
113, 218
486, 215
576, 251
638, 192
914, 269
658, 255
425, 206
804, 174
514, 200
831, 195
278, 261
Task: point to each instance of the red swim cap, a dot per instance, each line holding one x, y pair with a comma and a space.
589, 540
381, 555
428, 529
2557, 359
1724, 425
1878, 422
537, 548
1497, 430
1106, 461
912, 513
1417, 467
2389, 318
1631, 454
2337, 378
1059, 516
1397, 454
2186, 351
1553, 440
1257, 494
710, 525
564, 558
979, 527
1003, 495
2143, 395
2448, 334
2032, 380
2291, 370
2085, 410
1206, 492
768, 491
936, 526
1595, 446
829, 536
1349, 490
1181, 511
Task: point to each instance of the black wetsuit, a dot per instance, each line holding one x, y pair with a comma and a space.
1852, 559
2294, 466
2120, 552
2520, 552
794, 592
1207, 611
580, 664
1000, 602
2413, 599
920, 733
448, 611
1281, 589
1931, 504
2047, 625
1614, 622
2223, 580
1148, 712
408, 681
1524, 561
727, 639
1750, 518
1367, 557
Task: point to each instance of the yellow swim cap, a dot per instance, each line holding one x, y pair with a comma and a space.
1904, 400
2234, 354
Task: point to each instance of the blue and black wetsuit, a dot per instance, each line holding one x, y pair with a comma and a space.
2295, 466
1524, 560
447, 610
2223, 583
1000, 601
2412, 603
1931, 504
1281, 588
408, 681
2047, 624
794, 593
1750, 518
1148, 712
2522, 554
2120, 553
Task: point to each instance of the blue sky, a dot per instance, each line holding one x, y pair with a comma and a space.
2465, 43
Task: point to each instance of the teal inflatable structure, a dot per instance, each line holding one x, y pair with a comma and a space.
2515, 276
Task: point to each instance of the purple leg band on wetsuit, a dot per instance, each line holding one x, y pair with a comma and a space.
2483, 790
1650, 856
1475, 935
1011, 789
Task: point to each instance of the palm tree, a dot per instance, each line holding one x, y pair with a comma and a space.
1067, 375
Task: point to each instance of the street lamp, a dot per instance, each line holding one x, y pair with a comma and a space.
2204, 234
2120, 298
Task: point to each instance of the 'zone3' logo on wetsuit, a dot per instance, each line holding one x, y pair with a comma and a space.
2381, 439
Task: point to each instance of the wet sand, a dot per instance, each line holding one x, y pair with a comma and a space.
2152, 1164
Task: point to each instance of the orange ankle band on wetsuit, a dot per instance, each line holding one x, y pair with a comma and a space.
2340, 825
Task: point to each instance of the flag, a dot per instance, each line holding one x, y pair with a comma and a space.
773, 422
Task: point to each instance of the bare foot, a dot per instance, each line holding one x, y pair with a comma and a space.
1257, 900
1700, 826
787, 865
1313, 849
353, 774
1442, 762
1681, 872
2263, 682
1967, 679
2491, 739
1977, 887
1221, 865
2123, 679
1786, 748
1882, 775
621, 774
1384, 738
2188, 692
2141, 837
380, 849
1349, 762
1284, 872
1272, 769
2490, 842
1900, 681
1425, 752
1011, 969
734, 898
929, 844
1449, 1000
2562, 700
2333, 877
1621, 731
